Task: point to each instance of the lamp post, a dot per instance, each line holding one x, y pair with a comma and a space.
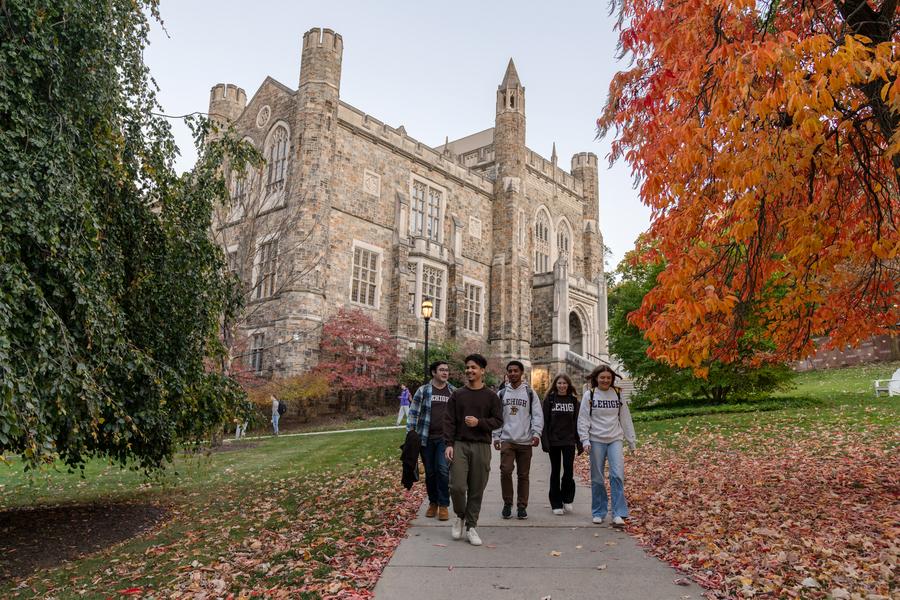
427, 311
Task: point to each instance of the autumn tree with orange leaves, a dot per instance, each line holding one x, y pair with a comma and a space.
766, 138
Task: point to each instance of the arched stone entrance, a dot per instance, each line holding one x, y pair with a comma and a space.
576, 334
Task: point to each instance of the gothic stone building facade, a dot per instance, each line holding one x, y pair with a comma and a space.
357, 213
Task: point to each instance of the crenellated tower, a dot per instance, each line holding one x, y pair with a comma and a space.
313, 146
226, 103
584, 169
511, 273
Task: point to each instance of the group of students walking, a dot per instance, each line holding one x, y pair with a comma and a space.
457, 426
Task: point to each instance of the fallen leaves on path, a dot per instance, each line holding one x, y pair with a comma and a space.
771, 513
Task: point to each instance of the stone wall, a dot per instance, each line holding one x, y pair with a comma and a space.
882, 348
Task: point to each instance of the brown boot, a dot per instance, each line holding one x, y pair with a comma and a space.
443, 513
432, 510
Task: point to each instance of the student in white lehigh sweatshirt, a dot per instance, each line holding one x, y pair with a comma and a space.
604, 423
523, 423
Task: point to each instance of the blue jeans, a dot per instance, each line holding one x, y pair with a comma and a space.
614, 453
275, 417
437, 472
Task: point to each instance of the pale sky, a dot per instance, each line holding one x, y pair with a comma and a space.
432, 67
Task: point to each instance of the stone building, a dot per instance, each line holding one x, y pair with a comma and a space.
349, 211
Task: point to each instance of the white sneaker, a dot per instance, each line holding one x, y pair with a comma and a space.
618, 522
472, 536
457, 529
558, 511
597, 520
568, 508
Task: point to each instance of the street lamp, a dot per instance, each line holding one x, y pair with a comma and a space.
427, 311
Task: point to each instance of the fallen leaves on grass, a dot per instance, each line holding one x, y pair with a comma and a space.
771, 513
325, 536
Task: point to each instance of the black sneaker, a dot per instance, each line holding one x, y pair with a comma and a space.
521, 514
507, 511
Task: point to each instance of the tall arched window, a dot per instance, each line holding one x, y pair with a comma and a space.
276, 159
563, 239
541, 243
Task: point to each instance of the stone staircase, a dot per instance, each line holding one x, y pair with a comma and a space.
579, 367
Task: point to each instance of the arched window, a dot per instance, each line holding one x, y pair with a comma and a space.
563, 239
541, 243
276, 159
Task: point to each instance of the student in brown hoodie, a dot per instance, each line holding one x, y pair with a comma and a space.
472, 413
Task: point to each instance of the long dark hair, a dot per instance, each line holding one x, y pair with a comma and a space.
602, 369
571, 389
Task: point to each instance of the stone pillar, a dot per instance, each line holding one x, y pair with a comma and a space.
602, 320
561, 339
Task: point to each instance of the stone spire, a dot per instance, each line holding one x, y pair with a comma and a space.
511, 78
553, 155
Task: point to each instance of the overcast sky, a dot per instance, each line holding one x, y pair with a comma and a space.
433, 67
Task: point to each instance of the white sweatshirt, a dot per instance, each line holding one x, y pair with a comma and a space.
604, 419
523, 416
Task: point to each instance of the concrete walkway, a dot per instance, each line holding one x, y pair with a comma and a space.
518, 559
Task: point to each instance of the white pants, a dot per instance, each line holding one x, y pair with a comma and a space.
403, 414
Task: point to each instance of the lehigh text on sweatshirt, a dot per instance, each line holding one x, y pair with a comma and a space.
523, 417
603, 418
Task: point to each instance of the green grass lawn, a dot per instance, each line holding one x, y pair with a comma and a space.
294, 484
818, 398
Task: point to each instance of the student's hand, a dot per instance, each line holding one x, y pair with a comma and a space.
448, 453
535, 440
586, 447
496, 444
471, 421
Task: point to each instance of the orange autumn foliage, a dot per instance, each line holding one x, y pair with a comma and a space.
766, 139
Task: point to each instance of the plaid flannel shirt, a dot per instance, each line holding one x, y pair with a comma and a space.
420, 412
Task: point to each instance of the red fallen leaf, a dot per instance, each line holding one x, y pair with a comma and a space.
132, 591
440, 545
450, 568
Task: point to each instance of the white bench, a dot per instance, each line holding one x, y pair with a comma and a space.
890, 387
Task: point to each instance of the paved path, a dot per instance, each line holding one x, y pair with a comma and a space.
516, 560
267, 436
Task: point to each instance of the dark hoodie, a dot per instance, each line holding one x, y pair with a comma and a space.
560, 421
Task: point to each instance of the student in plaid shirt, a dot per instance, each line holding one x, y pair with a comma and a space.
426, 417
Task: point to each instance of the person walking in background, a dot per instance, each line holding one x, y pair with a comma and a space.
276, 414
426, 417
473, 412
604, 423
523, 422
404, 405
560, 440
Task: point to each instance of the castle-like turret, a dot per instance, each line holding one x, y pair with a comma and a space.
511, 266
315, 123
584, 169
226, 103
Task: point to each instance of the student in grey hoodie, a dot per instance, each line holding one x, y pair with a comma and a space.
523, 422
604, 424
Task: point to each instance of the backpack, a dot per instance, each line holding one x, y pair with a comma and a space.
282, 407
618, 392
531, 396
